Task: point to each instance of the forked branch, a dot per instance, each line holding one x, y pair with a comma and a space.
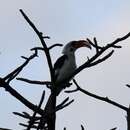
99, 51
46, 49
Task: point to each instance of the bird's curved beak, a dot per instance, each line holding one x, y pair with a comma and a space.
83, 43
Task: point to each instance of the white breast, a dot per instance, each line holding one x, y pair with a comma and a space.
67, 69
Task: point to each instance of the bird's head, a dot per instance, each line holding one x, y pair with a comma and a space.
72, 46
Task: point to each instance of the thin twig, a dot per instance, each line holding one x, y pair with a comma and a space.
22, 115
46, 37
71, 91
114, 128
128, 85
55, 45
51, 47
95, 45
15, 72
32, 120
34, 81
59, 107
25, 125
63, 102
82, 127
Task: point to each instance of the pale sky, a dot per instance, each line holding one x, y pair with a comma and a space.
64, 21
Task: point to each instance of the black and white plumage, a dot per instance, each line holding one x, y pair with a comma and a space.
66, 64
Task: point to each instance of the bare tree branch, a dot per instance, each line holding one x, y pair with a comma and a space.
114, 128
82, 127
55, 45
128, 85
105, 99
102, 59
5, 129
34, 81
51, 121
24, 115
15, 94
46, 50
46, 37
95, 44
32, 120
51, 47
15, 72
64, 104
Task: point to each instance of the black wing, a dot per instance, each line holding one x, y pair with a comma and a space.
58, 64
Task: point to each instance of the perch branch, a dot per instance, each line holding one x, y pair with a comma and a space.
98, 54
102, 59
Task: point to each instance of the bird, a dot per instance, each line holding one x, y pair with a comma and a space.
65, 66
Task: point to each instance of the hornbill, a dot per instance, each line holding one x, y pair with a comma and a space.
65, 66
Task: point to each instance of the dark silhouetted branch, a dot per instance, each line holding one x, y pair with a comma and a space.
71, 91
55, 45
51, 121
102, 59
82, 127
14, 73
105, 99
34, 81
64, 104
95, 44
15, 94
32, 120
25, 125
51, 47
128, 85
37, 48
5, 129
114, 128
46, 37
46, 50
23, 114
128, 118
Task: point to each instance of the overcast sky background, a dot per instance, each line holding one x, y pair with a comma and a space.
64, 21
